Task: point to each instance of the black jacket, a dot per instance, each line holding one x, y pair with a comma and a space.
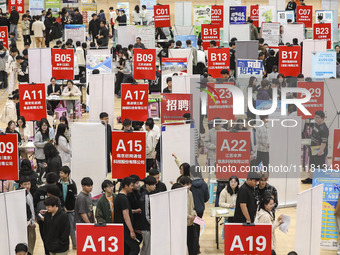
200, 192
121, 20
143, 223
50, 90
53, 165
70, 196
48, 25
270, 62
4, 22
38, 198
26, 170
55, 32
24, 66
77, 19
14, 17
56, 231
94, 27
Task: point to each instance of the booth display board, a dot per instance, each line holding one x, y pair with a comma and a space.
240, 31
101, 87
331, 188
184, 31
147, 34
218, 59
100, 239
144, 64
126, 7
183, 38
54, 5
94, 145
101, 62
266, 14
36, 6
309, 46
202, 15
210, 32
323, 65
87, 9
270, 32
4, 36
241, 239
183, 53
237, 14
149, 7
39, 61
183, 14
304, 14
75, 32
174, 138
169, 220
9, 157
162, 15
128, 154
247, 49
63, 64
284, 16
291, 31
126, 35
249, 67
13, 220
232, 154
308, 221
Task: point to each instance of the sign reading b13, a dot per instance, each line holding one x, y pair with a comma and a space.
9, 157
63, 64
128, 154
218, 59
210, 32
4, 36
162, 15
32, 101
108, 239
240, 239
323, 31
144, 64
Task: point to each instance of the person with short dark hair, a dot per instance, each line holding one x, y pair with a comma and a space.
11, 68
53, 89
123, 215
13, 20
127, 125
77, 17
160, 186
319, 145
21, 249
83, 211
25, 28
150, 144
22, 69
145, 219
263, 93
168, 89
56, 227
139, 44
320, 19
254, 33
68, 189
105, 206
103, 34
48, 27
213, 44
178, 45
122, 20
291, 6
3, 61
94, 27
264, 187
38, 29
245, 209
104, 118
53, 160
145, 15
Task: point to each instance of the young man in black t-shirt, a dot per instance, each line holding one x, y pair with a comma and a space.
123, 214
245, 210
319, 145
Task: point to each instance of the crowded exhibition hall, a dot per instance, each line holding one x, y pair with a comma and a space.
169, 128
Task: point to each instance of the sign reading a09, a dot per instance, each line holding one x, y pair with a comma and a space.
322, 31
162, 11
210, 31
216, 12
144, 57
289, 54
62, 57
6, 147
218, 56
304, 11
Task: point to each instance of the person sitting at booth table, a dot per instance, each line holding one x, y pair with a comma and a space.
71, 91
11, 129
22, 129
168, 89
53, 90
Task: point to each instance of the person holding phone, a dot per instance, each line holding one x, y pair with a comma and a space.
70, 91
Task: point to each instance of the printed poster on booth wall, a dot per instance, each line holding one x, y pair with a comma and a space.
323, 65
284, 16
183, 38
36, 6
267, 14
54, 5
237, 14
270, 32
249, 67
87, 9
174, 106
101, 62
331, 189
202, 15
125, 6
173, 66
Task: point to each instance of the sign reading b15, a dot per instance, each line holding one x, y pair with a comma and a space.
93, 239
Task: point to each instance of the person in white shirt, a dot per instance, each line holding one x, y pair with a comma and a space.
150, 144
38, 28
113, 16
156, 128
10, 111
63, 145
71, 90
11, 69
145, 15
137, 16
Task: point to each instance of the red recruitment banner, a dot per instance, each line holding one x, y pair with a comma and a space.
232, 154
220, 101
336, 150
316, 103
108, 239
290, 60
254, 14
32, 99
241, 239
18, 4
134, 102
4, 36
128, 154
162, 15
304, 14
218, 59
63, 64
323, 31
144, 65
9, 157
173, 106
210, 32
217, 15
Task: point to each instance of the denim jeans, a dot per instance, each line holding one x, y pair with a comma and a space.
73, 229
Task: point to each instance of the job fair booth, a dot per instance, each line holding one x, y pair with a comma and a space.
309, 225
